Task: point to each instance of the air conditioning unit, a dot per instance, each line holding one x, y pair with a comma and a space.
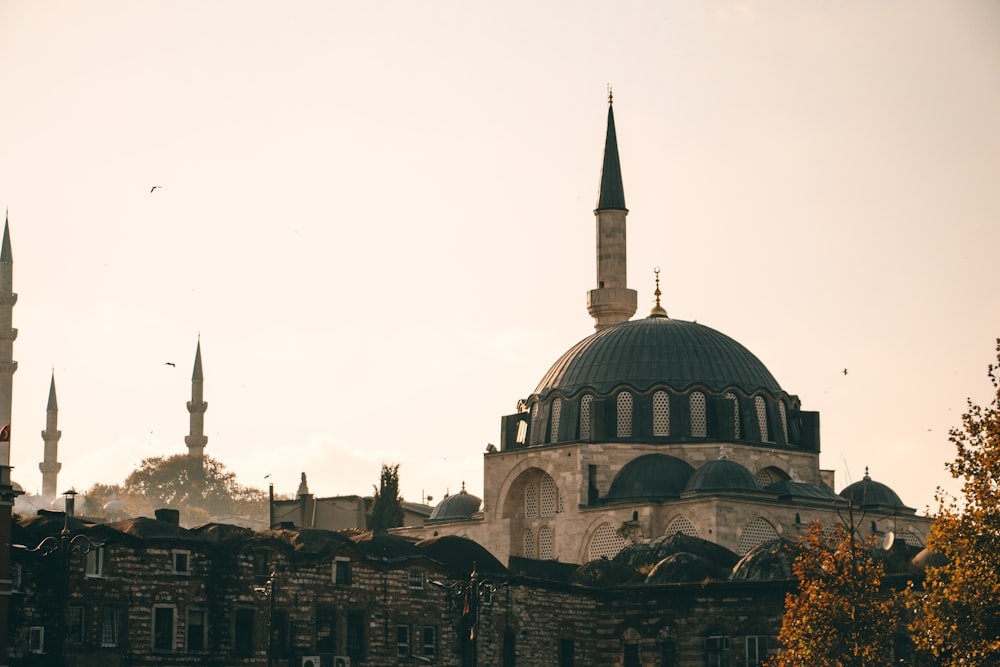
341, 661
310, 661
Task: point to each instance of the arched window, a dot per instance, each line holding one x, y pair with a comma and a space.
548, 496
681, 524
667, 641
756, 532
699, 426
534, 424
764, 478
556, 414
784, 419
736, 413
585, 416
661, 413
545, 543
625, 415
606, 543
630, 648
529, 544
522, 432
717, 648
756, 646
530, 501
761, 417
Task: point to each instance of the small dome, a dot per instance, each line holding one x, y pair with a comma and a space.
681, 567
722, 475
651, 476
462, 505
604, 572
657, 350
770, 560
643, 555
869, 494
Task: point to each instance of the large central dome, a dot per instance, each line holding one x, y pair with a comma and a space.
657, 351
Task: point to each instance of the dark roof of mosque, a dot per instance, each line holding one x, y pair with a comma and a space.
461, 505
868, 493
651, 476
722, 475
657, 351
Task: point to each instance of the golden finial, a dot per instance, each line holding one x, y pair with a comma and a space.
658, 310
611, 96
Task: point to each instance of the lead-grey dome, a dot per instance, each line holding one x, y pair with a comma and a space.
656, 351
722, 475
872, 495
651, 476
462, 505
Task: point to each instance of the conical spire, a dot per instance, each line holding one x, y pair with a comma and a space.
197, 439
52, 394
197, 373
612, 194
50, 465
5, 253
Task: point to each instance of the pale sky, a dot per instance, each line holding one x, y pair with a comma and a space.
379, 218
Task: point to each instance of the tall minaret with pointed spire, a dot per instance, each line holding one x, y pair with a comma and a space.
7, 335
196, 406
612, 302
50, 436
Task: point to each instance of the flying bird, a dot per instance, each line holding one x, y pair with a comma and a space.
154, 188
845, 371
170, 363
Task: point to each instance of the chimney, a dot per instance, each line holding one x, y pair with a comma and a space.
173, 517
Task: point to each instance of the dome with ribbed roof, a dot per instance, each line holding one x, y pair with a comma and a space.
871, 494
657, 350
462, 505
651, 476
722, 475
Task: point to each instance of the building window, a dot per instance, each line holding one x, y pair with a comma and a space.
36, 639
534, 424
756, 645
243, 633
402, 640
761, 417
111, 624
545, 543
163, 628
415, 579
182, 561
736, 413
625, 415
556, 416
279, 633
668, 647
196, 630
784, 419
429, 641
342, 571
95, 562
530, 501
566, 652
681, 524
717, 651
699, 425
15, 577
606, 543
356, 634
764, 478
326, 629
529, 543
756, 532
522, 432
661, 414
75, 625
630, 648
548, 496
585, 404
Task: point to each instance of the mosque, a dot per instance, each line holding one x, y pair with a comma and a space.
651, 427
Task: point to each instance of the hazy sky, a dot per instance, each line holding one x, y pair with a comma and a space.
378, 217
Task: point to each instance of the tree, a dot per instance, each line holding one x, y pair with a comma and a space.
387, 510
201, 488
957, 611
839, 616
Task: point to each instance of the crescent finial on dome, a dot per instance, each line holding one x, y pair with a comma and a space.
658, 310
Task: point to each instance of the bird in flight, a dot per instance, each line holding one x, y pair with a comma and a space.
170, 363
154, 188
845, 371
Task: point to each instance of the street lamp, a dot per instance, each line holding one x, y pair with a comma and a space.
474, 593
64, 545
266, 591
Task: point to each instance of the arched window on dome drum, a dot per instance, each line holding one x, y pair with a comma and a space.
545, 543
606, 543
530, 501
764, 478
661, 413
625, 415
761, 417
556, 415
784, 419
681, 524
699, 425
548, 496
534, 424
756, 532
522, 432
736, 413
585, 404
529, 544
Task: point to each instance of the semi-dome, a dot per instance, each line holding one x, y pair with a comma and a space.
651, 476
871, 494
722, 475
653, 351
462, 505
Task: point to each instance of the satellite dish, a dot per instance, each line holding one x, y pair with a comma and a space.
888, 540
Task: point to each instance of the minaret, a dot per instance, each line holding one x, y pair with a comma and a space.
50, 436
612, 302
7, 367
196, 406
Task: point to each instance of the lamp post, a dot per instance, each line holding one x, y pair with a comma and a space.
476, 592
266, 591
64, 545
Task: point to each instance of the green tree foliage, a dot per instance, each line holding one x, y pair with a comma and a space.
387, 510
840, 616
202, 489
957, 611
